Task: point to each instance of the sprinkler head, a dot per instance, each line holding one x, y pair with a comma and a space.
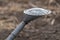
37, 11
33, 13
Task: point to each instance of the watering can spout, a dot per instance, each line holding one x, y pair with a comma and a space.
30, 14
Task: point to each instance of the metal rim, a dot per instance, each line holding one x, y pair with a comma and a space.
37, 11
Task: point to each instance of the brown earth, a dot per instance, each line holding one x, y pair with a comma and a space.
44, 28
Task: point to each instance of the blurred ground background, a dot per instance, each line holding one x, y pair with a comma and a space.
44, 28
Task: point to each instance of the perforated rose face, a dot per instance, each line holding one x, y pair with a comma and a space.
37, 11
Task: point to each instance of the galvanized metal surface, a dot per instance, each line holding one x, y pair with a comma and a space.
37, 11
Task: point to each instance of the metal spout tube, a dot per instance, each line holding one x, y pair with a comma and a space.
16, 31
